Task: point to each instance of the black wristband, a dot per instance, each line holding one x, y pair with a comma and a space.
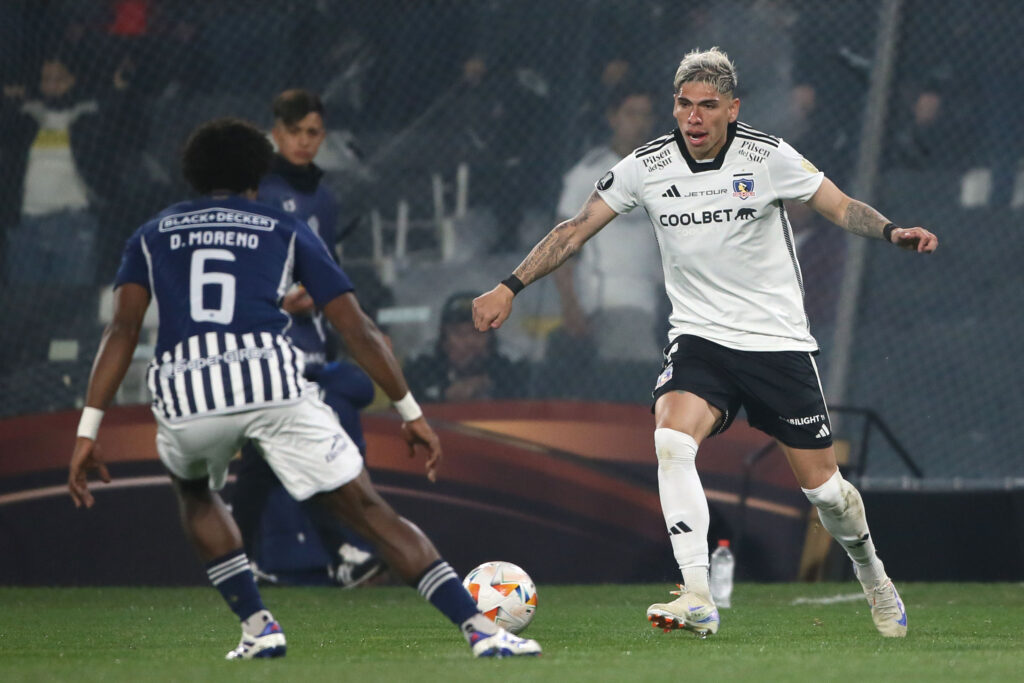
887, 231
513, 283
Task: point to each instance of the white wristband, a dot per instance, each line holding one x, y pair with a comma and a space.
90, 422
408, 408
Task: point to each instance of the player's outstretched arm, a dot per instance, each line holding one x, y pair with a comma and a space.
860, 219
565, 239
112, 361
369, 348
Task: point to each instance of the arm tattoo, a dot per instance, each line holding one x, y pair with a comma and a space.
861, 219
555, 248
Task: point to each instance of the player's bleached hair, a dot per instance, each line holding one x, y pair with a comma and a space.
712, 67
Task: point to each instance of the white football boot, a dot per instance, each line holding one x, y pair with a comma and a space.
269, 643
502, 644
690, 611
887, 610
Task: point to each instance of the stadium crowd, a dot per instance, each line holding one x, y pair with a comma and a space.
98, 96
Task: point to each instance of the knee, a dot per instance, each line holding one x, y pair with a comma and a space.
672, 445
834, 494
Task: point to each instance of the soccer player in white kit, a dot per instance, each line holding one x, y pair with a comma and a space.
713, 189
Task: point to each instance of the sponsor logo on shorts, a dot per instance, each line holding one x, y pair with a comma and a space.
801, 421
337, 446
665, 376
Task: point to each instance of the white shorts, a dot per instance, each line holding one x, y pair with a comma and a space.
302, 442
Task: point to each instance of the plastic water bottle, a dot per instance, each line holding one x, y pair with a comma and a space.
722, 565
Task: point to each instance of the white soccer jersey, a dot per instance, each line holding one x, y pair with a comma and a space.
619, 267
727, 248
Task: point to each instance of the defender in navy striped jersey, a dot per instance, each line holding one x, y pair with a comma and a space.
713, 189
224, 373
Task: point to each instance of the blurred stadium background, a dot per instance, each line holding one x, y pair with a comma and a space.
451, 125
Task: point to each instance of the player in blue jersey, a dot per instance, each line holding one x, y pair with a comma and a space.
224, 372
294, 186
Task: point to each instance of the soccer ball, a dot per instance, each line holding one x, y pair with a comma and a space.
504, 593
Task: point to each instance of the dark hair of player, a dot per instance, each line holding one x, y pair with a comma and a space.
292, 106
226, 154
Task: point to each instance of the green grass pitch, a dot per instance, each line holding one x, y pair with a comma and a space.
589, 633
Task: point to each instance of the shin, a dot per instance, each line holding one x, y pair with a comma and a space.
841, 511
684, 505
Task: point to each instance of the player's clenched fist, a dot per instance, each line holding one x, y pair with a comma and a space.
491, 309
915, 239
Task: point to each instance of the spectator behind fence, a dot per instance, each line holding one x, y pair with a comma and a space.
831, 70
756, 32
55, 238
610, 295
464, 365
927, 74
294, 186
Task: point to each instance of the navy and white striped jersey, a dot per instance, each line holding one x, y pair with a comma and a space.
217, 268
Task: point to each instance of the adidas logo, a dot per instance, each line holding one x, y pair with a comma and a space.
823, 432
671, 192
679, 528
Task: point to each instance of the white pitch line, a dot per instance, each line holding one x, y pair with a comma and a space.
843, 597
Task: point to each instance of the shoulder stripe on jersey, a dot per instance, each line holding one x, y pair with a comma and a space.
149, 270
656, 141
653, 146
750, 130
758, 137
743, 136
286, 272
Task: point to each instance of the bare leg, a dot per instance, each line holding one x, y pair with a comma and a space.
207, 522
398, 541
686, 413
812, 466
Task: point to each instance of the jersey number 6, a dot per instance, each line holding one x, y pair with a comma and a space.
199, 279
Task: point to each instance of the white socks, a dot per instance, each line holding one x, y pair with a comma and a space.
255, 624
841, 511
684, 505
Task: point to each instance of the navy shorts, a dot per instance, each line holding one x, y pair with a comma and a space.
779, 389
